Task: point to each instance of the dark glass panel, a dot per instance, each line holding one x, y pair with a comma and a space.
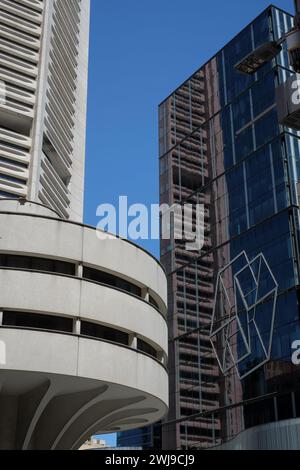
242, 111
153, 302
261, 412
36, 321
37, 264
261, 30
111, 280
244, 143
146, 348
263, 94
102, 332
266, 128
285, 407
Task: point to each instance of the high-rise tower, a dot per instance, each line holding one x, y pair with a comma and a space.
83, 332
43, 73
234, 306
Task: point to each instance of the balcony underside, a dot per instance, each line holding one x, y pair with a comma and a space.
86, 387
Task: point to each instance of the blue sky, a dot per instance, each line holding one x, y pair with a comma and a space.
140, 51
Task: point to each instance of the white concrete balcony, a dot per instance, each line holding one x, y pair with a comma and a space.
52, 239
79, 299
22, 114
18, 65
19, 11
14, 154
37, 5
10, 77
14, 138
18, 23
13, 188
86, 386
84, 327
18, 51
13, 170
19, 37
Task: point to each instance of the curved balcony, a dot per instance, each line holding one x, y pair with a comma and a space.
74, 388
77, 299
74, 242
83, 324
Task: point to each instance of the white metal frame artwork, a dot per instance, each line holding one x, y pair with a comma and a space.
230, 325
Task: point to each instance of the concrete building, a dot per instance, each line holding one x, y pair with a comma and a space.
83, 332
94, 444
232, 381
43, 84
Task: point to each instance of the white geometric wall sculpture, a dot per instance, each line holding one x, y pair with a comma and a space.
244, 313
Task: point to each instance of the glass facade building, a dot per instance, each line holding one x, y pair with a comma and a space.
230, 348
147, 438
